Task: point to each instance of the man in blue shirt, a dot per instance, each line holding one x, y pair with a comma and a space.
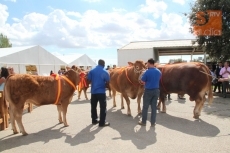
151, 79
99, 78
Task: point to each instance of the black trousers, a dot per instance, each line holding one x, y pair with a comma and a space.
217, 85
102, 101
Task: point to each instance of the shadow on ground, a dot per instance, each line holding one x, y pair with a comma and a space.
46, 135
198, 128
129, 130
220, 107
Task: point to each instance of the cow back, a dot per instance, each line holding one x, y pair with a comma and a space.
184, 78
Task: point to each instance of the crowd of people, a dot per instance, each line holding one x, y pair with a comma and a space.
221, 75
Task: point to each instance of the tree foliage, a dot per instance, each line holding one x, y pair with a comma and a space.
218, 47
4, 41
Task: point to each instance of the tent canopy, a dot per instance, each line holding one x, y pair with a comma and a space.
77, 59
20, 57
83, 60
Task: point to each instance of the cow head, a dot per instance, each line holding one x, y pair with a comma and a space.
139, 66
73, 76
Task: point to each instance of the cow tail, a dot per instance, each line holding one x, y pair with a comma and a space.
210, 95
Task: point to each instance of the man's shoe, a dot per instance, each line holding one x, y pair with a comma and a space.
95, 122
169, 98
153, 125
140, 123
106, 124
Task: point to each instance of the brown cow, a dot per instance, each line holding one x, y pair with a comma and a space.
39, 90
186, 78
127, 81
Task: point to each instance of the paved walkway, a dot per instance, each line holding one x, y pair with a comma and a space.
175, 132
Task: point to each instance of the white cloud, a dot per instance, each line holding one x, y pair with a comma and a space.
182, 2
3, 14
173, 26
156, 7
93, 29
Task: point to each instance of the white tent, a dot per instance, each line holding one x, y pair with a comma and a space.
76, 59
83, 60
20, 57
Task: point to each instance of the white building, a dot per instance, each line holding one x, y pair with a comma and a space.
143, 50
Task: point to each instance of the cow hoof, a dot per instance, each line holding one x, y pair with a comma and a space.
24, 133
196, 117
114, 106
158, 108
129, 114
15, 132
163, 111
87, 99
123, 107
66, 125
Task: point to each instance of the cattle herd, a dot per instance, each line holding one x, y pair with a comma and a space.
182, 78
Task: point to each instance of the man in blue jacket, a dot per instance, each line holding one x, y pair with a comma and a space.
99, 78
151, 79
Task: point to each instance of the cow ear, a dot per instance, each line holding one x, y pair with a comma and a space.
130, 63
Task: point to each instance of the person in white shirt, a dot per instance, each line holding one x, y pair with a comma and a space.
225, 72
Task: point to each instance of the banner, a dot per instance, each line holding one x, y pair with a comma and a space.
208, 23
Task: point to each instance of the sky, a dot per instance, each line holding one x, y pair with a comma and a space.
93, 27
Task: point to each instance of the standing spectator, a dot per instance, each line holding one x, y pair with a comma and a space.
11, 70
151, 79
59, 72
99, 78
108, 67
217, 72
224, 72
4, 75
51, 72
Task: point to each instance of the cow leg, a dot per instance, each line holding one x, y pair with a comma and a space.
114, 100
110, 92
122, 102
85, 93
139, 102
202, 105
59, 108
18, 117
12, 118
196, 111
79, 93
162, 100
128, 104
64, 111
159, 104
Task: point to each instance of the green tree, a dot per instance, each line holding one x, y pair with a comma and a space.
218, 47
4, 41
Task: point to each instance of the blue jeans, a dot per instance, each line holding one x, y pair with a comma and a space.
150, 98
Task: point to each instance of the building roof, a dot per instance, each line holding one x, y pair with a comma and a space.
12, 50
158, 43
